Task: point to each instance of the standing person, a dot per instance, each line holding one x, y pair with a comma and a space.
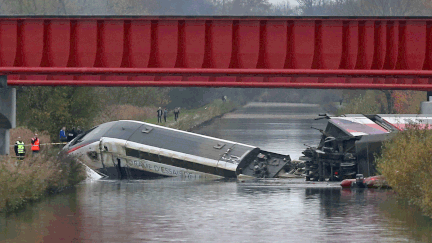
35, 144
176, 113
165, 113
62, 136
159, 114
71, 134
78, 131
19, 149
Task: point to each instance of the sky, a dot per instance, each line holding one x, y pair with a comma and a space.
292, 2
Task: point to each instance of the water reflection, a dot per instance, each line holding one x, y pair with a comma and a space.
52, 220
259, 211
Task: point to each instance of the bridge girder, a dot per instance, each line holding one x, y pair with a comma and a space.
323, 52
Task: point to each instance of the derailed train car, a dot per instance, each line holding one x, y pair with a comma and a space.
138, 150
349, 143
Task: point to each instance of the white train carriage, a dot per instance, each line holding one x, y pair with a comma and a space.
137, 150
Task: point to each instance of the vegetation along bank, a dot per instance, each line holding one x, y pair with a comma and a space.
406, 164
189, 119
28, 180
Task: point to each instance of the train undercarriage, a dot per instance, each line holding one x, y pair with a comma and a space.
349, 144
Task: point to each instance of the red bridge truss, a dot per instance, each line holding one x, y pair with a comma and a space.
325, 52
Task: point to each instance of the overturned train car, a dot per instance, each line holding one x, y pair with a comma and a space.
138, 150
349, 143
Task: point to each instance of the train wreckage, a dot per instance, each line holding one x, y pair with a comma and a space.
137, 150
349, 143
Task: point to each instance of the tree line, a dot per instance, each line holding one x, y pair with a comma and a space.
51, 108
218, 7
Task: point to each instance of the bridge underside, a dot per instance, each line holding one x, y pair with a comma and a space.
249, 78
326, 52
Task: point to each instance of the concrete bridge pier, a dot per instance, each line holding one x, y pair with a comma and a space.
426, 106
7, 114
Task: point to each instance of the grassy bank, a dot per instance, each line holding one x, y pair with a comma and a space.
188, 119
406, 164
27, 180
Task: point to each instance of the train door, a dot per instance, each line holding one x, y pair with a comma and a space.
115, 167
122, 168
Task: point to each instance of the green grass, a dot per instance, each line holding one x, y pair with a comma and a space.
194, 117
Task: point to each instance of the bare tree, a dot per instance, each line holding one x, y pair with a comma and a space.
283, 9
363, 7
386, 7
249, 7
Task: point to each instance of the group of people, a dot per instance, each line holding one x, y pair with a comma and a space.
68, 135
20, 150
164, 113
65, 136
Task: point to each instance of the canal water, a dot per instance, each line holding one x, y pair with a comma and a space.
273, 210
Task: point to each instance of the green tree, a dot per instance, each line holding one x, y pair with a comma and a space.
137, 96
50, 108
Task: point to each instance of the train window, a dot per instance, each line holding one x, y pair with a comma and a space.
181, 163
93, 134
132, 153
144, 155
80, 137
165, 160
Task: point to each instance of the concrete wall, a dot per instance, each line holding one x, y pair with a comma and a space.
7, 114
426, 107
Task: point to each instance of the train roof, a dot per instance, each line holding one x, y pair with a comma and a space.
166, 138
359, 125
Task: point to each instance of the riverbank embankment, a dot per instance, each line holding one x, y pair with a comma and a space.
190, 119
35, 176
32, 178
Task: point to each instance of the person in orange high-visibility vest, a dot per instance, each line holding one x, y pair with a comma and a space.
35, 144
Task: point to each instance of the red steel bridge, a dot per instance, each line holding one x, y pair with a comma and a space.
291, 52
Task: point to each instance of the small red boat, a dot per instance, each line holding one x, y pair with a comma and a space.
369, 182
